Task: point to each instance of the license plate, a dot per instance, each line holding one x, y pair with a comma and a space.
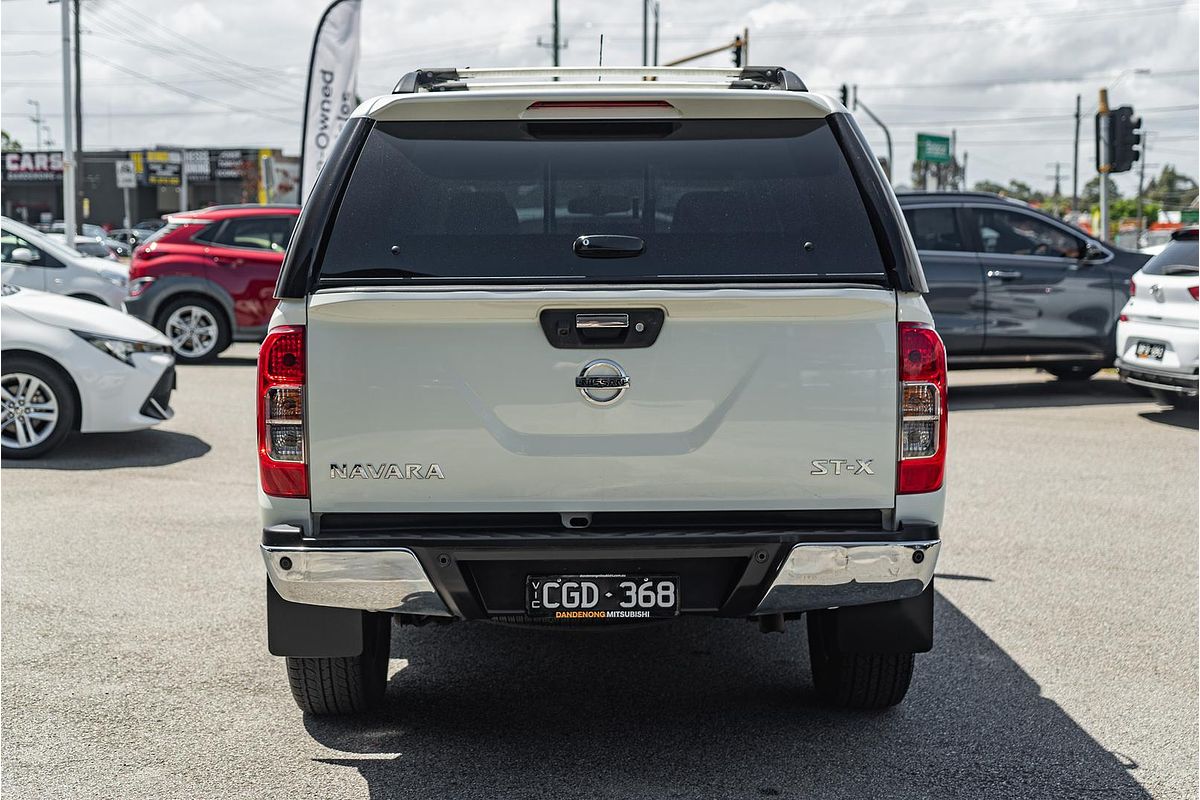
572, 597
1150, 350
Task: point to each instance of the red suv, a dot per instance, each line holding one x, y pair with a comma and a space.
207, 277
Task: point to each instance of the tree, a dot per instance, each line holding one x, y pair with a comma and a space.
1171, 189
1018, 190
989, 186
1090, 195
8, 143
1126, 208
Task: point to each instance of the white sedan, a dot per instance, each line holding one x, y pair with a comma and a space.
32, 259
1157, 344
68, 365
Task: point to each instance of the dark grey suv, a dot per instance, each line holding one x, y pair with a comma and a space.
1011, 286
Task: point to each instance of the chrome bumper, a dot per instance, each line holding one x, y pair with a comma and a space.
813, 576
829, 575
371, 579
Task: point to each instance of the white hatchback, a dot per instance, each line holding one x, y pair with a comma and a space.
1157, 334
68, 365
34, 260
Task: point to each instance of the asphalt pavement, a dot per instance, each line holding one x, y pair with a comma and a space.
134, 662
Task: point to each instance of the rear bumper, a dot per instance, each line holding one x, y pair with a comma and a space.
1140, 374
722, 572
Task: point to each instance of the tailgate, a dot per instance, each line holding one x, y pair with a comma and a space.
727, 410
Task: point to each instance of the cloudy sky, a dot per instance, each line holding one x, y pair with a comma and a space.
1003, 74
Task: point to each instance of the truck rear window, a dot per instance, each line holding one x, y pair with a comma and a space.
709, 199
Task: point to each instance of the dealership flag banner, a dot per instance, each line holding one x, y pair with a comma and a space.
332, 79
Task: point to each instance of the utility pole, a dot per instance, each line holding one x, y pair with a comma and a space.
656, 32
745, 47
68, 132
1057, 178
645, 33
36, 119
1141, 186
1104, 166
557, 44
79, 190
964, 170
1075, 169
886, 133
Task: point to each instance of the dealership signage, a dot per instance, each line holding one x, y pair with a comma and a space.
230, 164
163, 167
33, 167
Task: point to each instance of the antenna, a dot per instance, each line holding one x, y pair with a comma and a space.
601, 64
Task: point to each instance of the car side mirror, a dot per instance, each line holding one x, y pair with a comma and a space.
22, 255
1092, 252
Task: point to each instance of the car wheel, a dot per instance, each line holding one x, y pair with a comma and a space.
348, 685
197, 329
1173, 399
1072, 373
862, 681
39, 407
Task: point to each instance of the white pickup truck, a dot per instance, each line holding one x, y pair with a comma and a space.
598, 347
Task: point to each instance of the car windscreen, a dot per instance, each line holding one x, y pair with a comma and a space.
1180, 257
482, 201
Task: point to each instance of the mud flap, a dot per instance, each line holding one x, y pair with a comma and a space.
897, 626
304, 631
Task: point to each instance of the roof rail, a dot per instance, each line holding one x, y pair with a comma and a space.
450, 79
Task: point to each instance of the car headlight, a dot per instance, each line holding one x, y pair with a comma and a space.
115, 278
120, 349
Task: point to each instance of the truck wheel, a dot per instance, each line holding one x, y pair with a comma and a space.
1073, 373
856, 680
348, 685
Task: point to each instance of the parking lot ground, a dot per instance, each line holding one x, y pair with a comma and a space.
134, 662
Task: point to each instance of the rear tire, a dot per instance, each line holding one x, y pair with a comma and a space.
864, 681
1073, 373
38, 407
347, 685
1174, 399
197, 328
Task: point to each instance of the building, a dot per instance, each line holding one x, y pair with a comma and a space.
32, 188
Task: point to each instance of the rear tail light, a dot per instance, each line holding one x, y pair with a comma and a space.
1194, 291
922, 459
1132, 289
282, 460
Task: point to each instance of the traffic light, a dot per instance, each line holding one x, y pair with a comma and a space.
738, 47
1125, 137
845, 95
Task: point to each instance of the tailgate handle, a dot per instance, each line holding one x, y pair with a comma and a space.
601, 320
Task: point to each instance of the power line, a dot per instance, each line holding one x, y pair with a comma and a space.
188, 92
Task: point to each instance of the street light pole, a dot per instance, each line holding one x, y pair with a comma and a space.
68, 131
79, 215
886, 133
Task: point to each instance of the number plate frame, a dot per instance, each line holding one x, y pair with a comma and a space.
603, 599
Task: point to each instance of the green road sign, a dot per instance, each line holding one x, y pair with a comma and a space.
1189, 216
934, 149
